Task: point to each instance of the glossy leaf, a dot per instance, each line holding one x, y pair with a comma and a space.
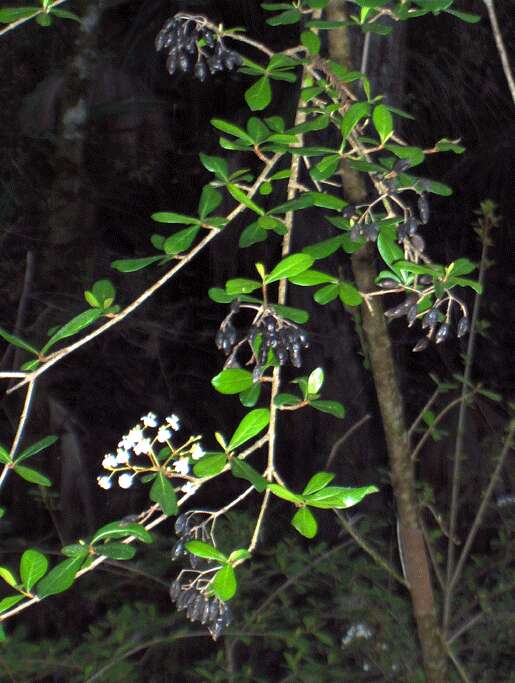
240, 554
61, 577
210, 465
241, 286
32, 476
318, 481
232, 381
10, 14
232, 129
290, 267
10, 601
339, 497
7, 575
16, 341
305, 523
242, 470
297, 315
135, 264
224, 583
33, 566
310, 278
240, 196
333, 408
349, 295
315, 381
289, 16
311, 42
75, 325
163, 493
285, 494
4, 456
326, 294
383, 122
354, 114
286, 400
253, 423
216, 165
259, 95
210, 199
122, 529
252, 234
324, 248
36, 448
181, 241
116, 551
172, 217
205, 550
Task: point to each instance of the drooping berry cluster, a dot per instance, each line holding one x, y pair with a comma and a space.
269, 331
191, 590
194, 47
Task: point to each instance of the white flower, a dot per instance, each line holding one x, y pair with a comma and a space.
143, 447
109, 461
125, 480
122, 456
197, 451
104, 482
356, 631
134, 436
174, 422
189, 488
163, 434
149, 420
181, 466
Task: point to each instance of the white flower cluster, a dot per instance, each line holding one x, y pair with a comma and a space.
138, 443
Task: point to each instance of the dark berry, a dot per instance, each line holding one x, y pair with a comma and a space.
423, 208
175, 590
349, 211
463, 327
418, 243
411, 225
401, 165
180, 524
442, 333
411, 315
421, 345
430, 319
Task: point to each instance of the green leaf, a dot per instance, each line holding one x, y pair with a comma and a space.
163, 493
462, 266
289, 267
44, 20
305, 523
210, 465
33, 566
315, 381
65, 14
352, 117
250, 426
257, 130
116, 551
224, 583
464, 16
311, 42
389, 249
466, 282
219, 295
383, 122
216, 165
16, 341
324, 248
134, 264
10, 601
414, 154
339, 497
72, 550
72, 327
232, 381
4, 456
445, 145
171, 217
205, 550
326, 294
285, 494
302, 202
286, 400
333, 408
36, 448
297, 315
61, 577
349, 295
240, 554
250, 397
318, 481
252, 234
310, 278
232, 129
122, 529
8, 577
181, 241
104, 292
242, 197
10, 14
32, 476
327, 201
259, 95
325, 168
210, 199
242, 470
241, 286
289, 16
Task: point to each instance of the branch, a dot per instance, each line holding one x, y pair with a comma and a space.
501, 48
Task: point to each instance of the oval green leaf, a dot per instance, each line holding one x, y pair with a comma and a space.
163, 493
61, 577
32, 476
33, 566
305, 523
232, 381
253, 423
224, 583
290, 267
205, 550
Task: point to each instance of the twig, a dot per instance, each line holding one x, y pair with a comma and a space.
457, 664
349, 528
501, 48
62, 353
420, 416
339, 442
482, 508
19, 431
460, 431
18, 22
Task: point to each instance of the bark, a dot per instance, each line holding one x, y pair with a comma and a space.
413, 550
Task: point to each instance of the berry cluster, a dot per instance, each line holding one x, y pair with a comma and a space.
437, 324
268, 332
194, 47
193, 594
199, 607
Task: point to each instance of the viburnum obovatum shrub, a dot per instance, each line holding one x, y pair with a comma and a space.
259, 333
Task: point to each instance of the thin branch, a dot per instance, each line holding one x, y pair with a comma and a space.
460, 430
349, 528
19, 431
420, 416
19, 22
339, 442
457, 664
62, 353
501, 48
482, 508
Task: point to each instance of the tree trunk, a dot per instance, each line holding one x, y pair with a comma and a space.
413, 550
